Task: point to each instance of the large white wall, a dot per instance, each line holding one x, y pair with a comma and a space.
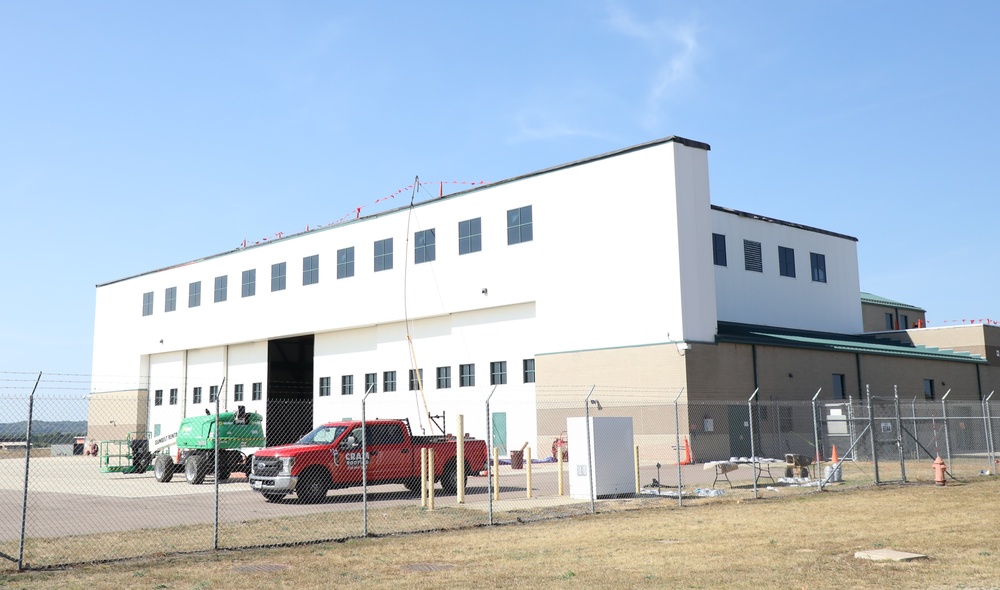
770, 299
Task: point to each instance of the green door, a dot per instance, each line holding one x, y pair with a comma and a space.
739, 431
500, 432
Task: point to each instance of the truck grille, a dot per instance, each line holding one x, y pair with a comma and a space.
266, 466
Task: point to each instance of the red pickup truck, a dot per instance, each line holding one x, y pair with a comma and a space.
330, 457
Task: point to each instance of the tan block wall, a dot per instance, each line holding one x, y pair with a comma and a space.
873, 317
111, 416
908, 374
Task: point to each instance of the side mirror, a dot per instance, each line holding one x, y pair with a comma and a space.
349, 443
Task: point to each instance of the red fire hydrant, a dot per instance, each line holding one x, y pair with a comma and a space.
939, 470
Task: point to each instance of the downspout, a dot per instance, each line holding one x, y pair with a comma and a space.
857, 364
753, 349
979, 382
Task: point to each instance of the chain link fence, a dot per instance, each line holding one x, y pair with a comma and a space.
86, 478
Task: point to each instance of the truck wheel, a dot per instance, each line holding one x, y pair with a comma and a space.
449, 478
312, 487
273, 497
412, 484
163, 468
194, 470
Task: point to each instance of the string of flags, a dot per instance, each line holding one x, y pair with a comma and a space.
986, 321
356, 212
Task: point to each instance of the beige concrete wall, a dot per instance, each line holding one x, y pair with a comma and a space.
908, 374
873, 316
112, 415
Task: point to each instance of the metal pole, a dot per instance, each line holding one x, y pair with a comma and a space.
947, 438
753, 451
916, 442
27, 465
215, 534
590, 457
364, 461
677, 429
460, 460
989, 434
899, 433
819, 458
491, 470
871, 433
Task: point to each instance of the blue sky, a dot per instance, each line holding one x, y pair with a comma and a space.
139, 135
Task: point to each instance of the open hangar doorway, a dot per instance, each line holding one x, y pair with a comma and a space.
289, 389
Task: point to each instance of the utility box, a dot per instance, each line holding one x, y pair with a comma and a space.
612, 457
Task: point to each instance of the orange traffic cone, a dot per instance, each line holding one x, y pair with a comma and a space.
834, 458
687, 453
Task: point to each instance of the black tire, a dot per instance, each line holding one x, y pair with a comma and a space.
224, 473
412, 484
247, 465
273, 497
312, 487
163, 468
195, 470
449, 478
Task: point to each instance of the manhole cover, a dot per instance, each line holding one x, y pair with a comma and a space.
427, 567
259, 568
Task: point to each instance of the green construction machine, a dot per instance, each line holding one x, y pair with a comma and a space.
195, 444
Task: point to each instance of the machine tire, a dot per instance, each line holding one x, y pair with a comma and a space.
273, 497
412, 484
449, 478
195, 470
163, 468
312, 487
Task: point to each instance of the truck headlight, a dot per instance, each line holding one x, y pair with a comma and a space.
286, 465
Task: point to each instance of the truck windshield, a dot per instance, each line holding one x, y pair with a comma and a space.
322, 435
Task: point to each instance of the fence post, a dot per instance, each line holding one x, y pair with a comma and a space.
988, 419
899, 433
590, 457
916, 441
871, 433
819, 457
947, 438
364, 463
677, 429
27, 465
215, 525
753, 451
491, 469
460, 460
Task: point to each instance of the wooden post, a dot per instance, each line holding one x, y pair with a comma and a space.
460, 459
637, 490
430, 479
527, 467
496, 473
560, 461
423, 477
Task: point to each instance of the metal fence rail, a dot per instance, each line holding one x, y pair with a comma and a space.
66, 499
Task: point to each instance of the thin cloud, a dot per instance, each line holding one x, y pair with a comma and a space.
539, 126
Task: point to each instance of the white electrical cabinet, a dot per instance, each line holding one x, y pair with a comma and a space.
612, 452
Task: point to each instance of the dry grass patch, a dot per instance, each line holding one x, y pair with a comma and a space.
805, 541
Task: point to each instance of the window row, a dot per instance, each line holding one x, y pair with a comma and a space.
257, 393
470, 239
443, 380
753, 259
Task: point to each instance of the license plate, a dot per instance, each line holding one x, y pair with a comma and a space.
257, 485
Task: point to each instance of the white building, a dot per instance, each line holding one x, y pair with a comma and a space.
546, 279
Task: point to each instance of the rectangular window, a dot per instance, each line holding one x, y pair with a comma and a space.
467, 375
347, 385
345, 263
786, 262
719, 249
173, 396
158, 397
389, 381
889, 323
529, 370
498, 373
196, 395
470, 236
416, 379
371, 382
278, 277
904, 321
147, 303
310, 270
818, 263
257, 392
170, 300
519, 228
751, 256
250, 282
838, 386
443, 377
383, 254
238, 392
194, 294
324, 386
213, 393
929, 389
221, 288
423, 246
